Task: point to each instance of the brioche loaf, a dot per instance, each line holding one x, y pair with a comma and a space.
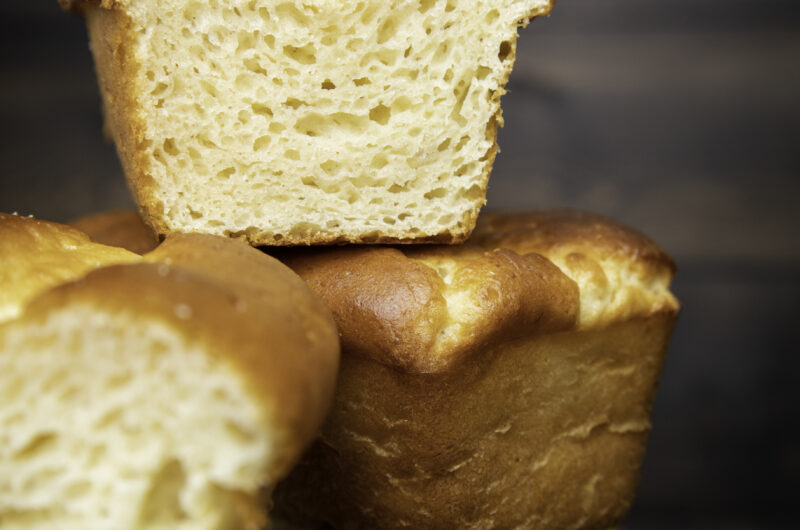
503, 383
323, 121
171, 393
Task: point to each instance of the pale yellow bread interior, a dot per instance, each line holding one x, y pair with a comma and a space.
323, 121
168, 393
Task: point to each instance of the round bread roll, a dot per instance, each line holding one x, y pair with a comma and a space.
170, 393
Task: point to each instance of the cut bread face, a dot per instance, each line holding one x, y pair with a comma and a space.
170, 392
115, 421
304, 123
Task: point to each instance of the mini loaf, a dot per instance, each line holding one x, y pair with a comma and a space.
288, 123
171, 393
503, 383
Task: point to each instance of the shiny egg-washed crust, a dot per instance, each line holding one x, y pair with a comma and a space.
112, 42
291, 344
543, 432
118, 229
248, 308
36, 255
210, 275
425, 309
251, 312
503, 383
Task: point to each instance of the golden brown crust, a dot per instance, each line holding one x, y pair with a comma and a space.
621, 273
547, 232
302, 368
565, 319
112, 41
543, 432
393, 306
246, 307
36, 255
118, 229
424, 309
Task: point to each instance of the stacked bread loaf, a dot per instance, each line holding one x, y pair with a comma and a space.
322, 121
159, 372
502, 383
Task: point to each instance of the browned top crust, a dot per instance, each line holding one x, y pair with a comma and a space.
280, 336
118, 229
425, 308
257, 316
545, 232
36, 255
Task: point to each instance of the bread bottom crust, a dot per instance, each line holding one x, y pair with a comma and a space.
541, 432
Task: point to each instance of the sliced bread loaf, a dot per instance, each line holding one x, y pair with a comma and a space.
310, 122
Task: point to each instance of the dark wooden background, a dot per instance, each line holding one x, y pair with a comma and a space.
678, 117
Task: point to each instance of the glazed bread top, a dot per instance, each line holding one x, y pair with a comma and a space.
249, 307
422, 309
36, 255
162, 394
287, 319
